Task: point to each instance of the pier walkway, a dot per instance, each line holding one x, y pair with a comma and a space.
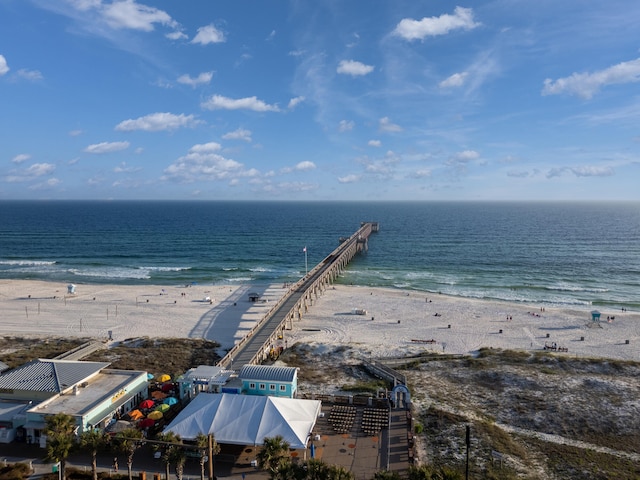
255, 347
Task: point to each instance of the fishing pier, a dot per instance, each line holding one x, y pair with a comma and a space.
256, 345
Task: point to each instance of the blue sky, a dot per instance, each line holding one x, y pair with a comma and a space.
318, 100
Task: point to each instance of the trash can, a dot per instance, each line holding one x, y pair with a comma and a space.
143, 475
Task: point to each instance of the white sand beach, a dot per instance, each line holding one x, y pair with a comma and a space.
396, 322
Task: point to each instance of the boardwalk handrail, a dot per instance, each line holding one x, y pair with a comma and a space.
312, 280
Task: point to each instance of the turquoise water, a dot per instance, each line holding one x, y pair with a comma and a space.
556, 253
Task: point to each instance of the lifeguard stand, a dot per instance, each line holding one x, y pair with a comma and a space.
595, 319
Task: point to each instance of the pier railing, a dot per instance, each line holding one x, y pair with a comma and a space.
324, 272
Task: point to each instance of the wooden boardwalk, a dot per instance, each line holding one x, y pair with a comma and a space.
255, 347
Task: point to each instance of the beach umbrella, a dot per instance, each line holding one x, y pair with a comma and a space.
158, 395
164, 378
163, 407
146, 423
167, 387
135, 414
150, 376
155, 415
147, 403
170, 400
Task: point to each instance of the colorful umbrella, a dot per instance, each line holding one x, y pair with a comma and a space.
146, 423
155, 415
170, 400
147, 403
163, 407
167, 387
136, 414
164, 378
158, 395
149, 376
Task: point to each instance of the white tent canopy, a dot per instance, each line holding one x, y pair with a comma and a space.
247, 419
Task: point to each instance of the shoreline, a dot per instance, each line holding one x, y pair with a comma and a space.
397, 322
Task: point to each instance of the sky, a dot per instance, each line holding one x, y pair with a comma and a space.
293, 100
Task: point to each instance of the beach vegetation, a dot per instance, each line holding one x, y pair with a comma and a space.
17, 351
371, 387
159, 355
15, 471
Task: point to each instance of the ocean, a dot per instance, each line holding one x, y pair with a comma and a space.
582, 254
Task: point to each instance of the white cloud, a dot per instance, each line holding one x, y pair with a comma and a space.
346, 126
353, 68
204, 148
305, 166
463, 157
202, 163
106, 147
84, 5
518, 173
585, 85
33, 171
349, 178
239, 134
374, 143
4, 68
156, 122
132, 15
39, 169
51, 182
385, 125
455, 80
22, 157
294, 102
203, 78
581, 171
422, 173
123, 168
208, 34
75, 133
176, 35
218, 102
31, 75
411, 29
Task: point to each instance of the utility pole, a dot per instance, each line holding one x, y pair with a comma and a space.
211, 473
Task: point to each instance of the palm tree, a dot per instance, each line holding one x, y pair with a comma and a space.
168, 438
93, 440
128, 441
386, 475
202, 441
60, 430
274, 451
338, 472
176, 455
316, 469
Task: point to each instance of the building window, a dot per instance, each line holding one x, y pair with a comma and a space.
283, 388
252, 386
272, 387
262, 386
